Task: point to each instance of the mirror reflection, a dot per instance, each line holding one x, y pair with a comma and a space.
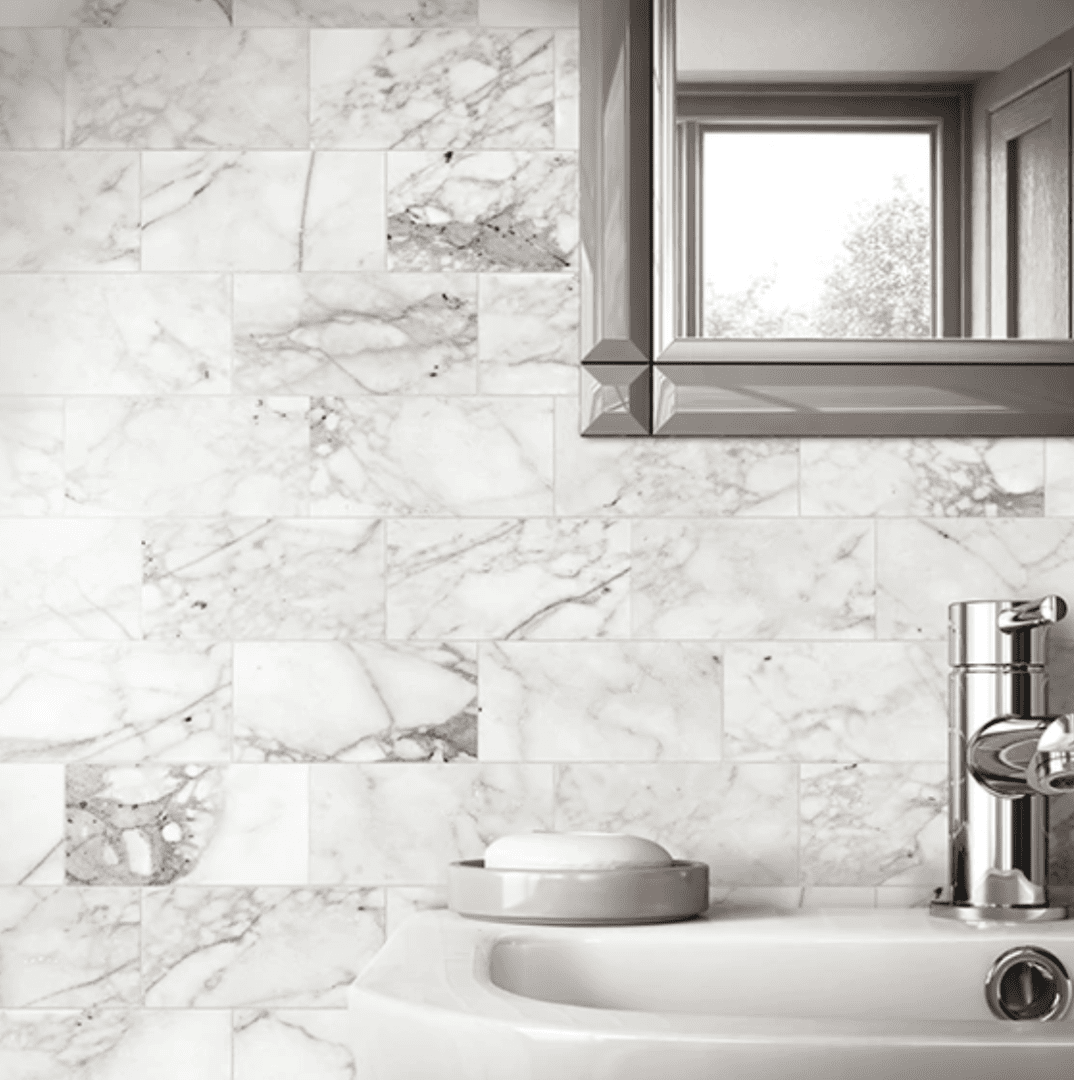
893, 169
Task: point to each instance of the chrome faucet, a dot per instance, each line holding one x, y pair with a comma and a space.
1006, 756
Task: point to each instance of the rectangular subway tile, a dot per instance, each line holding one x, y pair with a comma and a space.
115, 13
68, 211
482, 210
257, 947
355, 13
923, 477
262, 210
767, 579
851, 701
1059, 481
410, 455
31, 456
724, 477
365, 333
529, 12
599, 701
533, 579
115, 1044
425, 89
191, 456
32, 809
283, 1044
31, 89
68, 580
740, 819
155, 824
355, 701
115, 334
114, 701
403, 823
568, 90
254, 579
69, 948
187, 88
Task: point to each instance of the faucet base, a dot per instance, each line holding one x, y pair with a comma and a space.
972, 913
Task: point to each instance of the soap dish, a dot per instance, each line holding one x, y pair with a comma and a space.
605, 897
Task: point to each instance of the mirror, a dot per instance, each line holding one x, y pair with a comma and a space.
827, 217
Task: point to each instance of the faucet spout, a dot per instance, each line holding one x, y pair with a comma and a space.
1051, 768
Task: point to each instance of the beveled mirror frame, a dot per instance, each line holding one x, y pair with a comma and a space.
638, 378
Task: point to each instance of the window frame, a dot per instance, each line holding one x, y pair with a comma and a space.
939, 110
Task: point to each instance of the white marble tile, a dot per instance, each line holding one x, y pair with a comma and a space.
166, 89
851, 701
31, 455
31, 89
114, 701
31, 807
270, 947
115, 333
753, 579
402, 824
68, 948
425, 455
432, 89
1059, 477
599, 701
726, 899
538, 578
355, 701
371, 333
841, 896
923, 566
65, 580
482, 210
724, 477
284, 1044
402, 901
115, 1044
155, 824
527, 337
923, 477
68, 211
740, 819
905, 896
353, 13
241, 580
260, 209
568, 90
176, 455
874, 824
529, 12
115, 13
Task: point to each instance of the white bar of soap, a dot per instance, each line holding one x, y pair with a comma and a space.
574, 851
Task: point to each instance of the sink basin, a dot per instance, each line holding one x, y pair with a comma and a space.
741, 995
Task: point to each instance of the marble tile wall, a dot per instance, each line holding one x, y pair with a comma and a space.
309, 584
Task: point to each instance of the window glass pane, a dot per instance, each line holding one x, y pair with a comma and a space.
817, 234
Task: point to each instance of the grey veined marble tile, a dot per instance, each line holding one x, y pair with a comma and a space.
482, 210
568, 89
281, 1044
68, 211
432, 89
411, 455
31, 455
851, 701
874, 824
1059, 486
115, 333
351, 13
367, 333
206, 948
923, 477
765, 580
355, 701
155, 824
599, 701
171, 88
31, 807
530, 12
115, 13
115, 1044
243, 579
69, 948
31, 88
527, 579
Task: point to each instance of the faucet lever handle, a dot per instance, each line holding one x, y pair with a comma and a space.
1049, 609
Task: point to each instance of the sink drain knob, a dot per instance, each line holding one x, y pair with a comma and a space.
1028, 983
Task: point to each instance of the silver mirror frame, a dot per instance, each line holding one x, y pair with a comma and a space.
638, 378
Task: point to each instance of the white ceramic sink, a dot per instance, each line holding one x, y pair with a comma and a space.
746, 995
